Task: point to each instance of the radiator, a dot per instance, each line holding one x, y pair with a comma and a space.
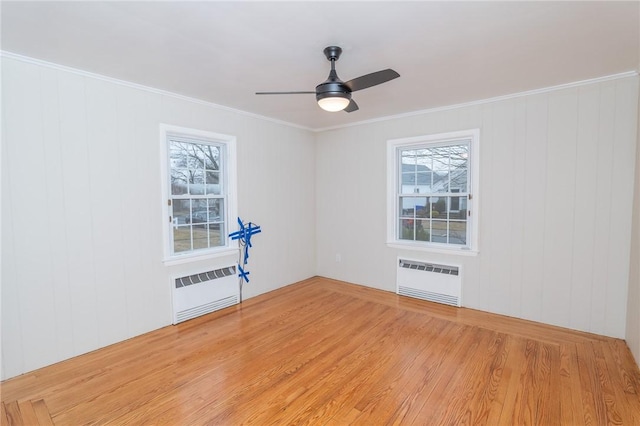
429, 281
205, 292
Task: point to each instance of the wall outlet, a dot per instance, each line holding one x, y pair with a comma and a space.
338, 257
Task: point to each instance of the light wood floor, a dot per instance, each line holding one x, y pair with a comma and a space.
330, 353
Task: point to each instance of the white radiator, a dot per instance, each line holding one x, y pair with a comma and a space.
429, 281
199, 294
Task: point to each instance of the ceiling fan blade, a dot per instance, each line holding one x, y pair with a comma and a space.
372, 79
284, 93
353, 106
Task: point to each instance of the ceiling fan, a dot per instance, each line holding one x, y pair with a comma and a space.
334, 94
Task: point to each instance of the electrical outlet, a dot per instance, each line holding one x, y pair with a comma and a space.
338, 257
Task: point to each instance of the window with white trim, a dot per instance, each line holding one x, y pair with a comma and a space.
199, 189
432, 188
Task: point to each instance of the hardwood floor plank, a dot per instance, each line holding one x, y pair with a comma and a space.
498, 390
461, 343
623, 382
592, 403
327, 352
27, 412
570, 389
488, 397
622, 358
4, 421
42, 413
13, 415
513, 374
456, 387
610, 396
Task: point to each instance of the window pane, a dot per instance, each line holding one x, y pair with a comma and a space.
198, 211
438, 207
413, 206
212, 157
196, 182
440, 159
416, 175
408, 157
179, 181
439, 231
457, 208
407, 229
181, 210
404, 212
414, 230
422, 230
458, 232
178, 154
197, 156
213, 182
181, 238
459, 168
215, 235
408, 183
408, 173
179, 163
216, 210
199, 204
422, 207
450, 164
423, 181
200, 236
458, 181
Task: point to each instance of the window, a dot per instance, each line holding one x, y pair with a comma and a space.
432, 186
199, 188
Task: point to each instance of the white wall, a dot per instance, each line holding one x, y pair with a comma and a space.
556, 186
633, 301
81, 209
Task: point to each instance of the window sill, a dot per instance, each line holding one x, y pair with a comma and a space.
189, 258
420, 247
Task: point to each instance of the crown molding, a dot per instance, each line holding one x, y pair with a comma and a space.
39, 62
488, 100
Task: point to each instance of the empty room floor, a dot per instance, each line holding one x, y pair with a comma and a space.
330, 353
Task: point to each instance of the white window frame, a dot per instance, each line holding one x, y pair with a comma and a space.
229, 188
393, 184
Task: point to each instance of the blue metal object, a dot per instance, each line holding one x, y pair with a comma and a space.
243, 235
243, 274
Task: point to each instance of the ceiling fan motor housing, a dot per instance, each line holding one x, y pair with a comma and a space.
333, 86
332, 89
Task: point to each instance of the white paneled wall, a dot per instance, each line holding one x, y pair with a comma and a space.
633, 299
81, 209
556, 189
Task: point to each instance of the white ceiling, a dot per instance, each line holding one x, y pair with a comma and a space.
446, 52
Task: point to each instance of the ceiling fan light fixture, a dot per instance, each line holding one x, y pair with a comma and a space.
334, 102
334, 94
